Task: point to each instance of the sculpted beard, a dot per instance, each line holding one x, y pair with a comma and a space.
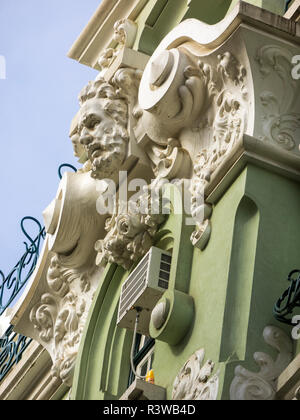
112, 153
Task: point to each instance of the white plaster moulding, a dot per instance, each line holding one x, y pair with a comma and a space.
40, 271
289, 380
212, 36
294, 11
257, 152
26, 375
30, 379
99, 32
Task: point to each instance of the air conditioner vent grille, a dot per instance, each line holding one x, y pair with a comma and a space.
166, 258
135, 283
143, 288
164, 272
163, 284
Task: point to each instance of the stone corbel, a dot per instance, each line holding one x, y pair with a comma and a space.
207, 87
56, 302
195, 108
55, 305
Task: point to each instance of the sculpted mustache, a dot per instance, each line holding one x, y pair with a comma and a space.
104, 146
107, 156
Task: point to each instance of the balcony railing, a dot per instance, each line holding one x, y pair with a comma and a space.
290, 300
12, 284
12, 346
65, 165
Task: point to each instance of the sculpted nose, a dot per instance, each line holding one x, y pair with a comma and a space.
85, 138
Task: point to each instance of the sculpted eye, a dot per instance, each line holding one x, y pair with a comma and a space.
94, 123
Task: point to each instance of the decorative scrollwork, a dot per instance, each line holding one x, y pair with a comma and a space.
131, 231
248, 385
12, 284
196, 381
280, 124
228, 127
12, 346
290, 299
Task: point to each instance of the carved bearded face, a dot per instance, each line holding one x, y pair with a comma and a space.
102, 136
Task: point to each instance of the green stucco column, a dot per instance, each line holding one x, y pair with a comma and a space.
237, 279
264, 249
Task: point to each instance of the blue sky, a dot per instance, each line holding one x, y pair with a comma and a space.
38, 100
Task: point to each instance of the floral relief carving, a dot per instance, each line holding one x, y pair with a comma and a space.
59, 316
124, 35
131, 230
280, 123
196, 380
43, 316
228, 127
193, 109
229, 120
204, 100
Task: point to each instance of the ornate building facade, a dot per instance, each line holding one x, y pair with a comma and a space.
188, 141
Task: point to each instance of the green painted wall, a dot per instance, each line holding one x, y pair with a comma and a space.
159, 17
103, 362
234, 284
221, 298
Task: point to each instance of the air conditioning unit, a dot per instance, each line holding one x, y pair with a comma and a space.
143, 288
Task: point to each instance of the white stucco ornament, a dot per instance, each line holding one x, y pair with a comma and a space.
131, 231
248, 385
211, 99
196, 380
57, 301
280, 122
195, 111
125, 31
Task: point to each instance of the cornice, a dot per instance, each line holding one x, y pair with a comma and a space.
98, 33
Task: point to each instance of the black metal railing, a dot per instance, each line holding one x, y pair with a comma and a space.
65, 165
12, 284
12, 346
290, 300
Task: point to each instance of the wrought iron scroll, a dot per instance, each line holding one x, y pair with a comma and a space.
65, 165
12, 284
12, 346
290, 300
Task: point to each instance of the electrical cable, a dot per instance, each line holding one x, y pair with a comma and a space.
138, 310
